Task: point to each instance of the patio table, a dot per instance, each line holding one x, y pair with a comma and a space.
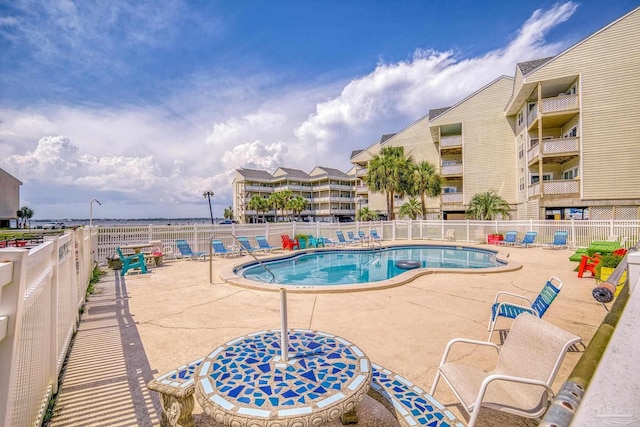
136, 247
246, 379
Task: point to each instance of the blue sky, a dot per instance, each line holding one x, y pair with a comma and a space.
146, 104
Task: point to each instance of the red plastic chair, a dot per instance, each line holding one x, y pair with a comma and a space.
289, 243
588, 263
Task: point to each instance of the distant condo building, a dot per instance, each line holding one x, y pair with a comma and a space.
559, 140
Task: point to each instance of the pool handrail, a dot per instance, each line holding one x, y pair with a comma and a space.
242, 247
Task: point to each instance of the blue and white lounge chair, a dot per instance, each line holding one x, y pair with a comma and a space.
510, 238
246, 245
341, 239
352, 238
559, 240
374, 235
263, 244
528, 240
510, 310
186, 252
361, 236
221, 250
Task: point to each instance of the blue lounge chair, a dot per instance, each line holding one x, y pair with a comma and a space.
221, 250
352, 238
374, 235
510, 238
529, 239
246, 245
549, 292
361, 236
263, 244
328, 242
341, 239
186, 252
131, 261
559, 240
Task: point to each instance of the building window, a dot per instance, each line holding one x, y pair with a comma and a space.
450, 190
522, 183
520, 117
521, 150
572, 133
571, 173
545, 177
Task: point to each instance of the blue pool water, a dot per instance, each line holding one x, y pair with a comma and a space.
339, 267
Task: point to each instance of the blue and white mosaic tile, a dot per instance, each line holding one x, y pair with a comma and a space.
248, 376
416, 406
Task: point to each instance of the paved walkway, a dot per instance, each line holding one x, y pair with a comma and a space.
140, 327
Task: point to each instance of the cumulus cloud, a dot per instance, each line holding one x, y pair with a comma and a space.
431, 79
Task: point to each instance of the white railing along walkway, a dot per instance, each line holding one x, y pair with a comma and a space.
41, 291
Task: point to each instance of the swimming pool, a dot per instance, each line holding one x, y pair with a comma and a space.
357, 267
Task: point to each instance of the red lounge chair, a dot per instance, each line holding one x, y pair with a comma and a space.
288, 243
589, 263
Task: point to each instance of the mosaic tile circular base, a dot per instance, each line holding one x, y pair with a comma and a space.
246, 383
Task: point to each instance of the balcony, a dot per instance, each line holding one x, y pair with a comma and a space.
451, 141
559, 187
321, 187
562, 148
448, 170
455, 198
556, 111
361, 171
258, 188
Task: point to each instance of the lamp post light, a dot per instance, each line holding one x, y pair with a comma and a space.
208, 195
91, 210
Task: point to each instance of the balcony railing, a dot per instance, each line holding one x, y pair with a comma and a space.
562, 186
258, 188
452, 198
451, 141
553, 105
553, 146
451, 170
332, 187
560, 103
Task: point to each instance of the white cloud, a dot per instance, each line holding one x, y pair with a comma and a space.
430, 80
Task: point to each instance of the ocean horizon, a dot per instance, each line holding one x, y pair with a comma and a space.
116, 222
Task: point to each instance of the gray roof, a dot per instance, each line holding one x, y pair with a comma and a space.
334, 172
355, 153
386, 136
436, 112
295, 173
529, 66
255, 174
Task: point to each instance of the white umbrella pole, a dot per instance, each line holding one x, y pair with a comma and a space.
284, 343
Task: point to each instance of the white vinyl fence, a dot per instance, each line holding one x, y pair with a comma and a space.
41, 291
581, 232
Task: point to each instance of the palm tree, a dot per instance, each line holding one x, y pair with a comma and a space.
389, 173
25, 213
366, 214
488, 205
427, 183
257, 204
228, 212
278, 200
296, 205
411, 208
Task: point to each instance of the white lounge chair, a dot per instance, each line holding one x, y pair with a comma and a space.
525, 369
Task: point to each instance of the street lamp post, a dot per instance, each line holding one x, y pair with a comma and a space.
91, 210
208, 195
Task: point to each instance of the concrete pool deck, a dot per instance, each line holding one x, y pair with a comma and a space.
139, 327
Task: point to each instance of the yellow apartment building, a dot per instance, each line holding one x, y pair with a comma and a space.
330, 193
